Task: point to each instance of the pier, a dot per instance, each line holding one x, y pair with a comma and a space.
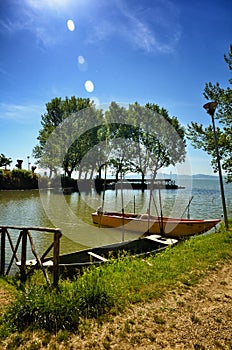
135, 184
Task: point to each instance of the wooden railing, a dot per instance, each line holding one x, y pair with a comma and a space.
23, 237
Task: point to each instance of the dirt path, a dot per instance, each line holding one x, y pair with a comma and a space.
199, 318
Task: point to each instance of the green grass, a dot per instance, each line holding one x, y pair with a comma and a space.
106, 290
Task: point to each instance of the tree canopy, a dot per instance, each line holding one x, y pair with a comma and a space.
4, 161
203, 138
77, 136
147, 138
47, 152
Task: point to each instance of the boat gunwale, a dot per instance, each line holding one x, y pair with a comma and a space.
138, 217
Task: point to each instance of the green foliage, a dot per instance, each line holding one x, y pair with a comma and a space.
39, 308
18, 179
77, 136
36, 307
95, 296
53, 154
203, 138
143, 138
4, 161
22, 174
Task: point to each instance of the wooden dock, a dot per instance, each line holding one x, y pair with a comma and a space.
137, 184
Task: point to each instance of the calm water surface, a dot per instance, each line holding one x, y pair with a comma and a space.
72, 213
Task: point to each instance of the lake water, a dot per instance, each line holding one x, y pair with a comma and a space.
72, 213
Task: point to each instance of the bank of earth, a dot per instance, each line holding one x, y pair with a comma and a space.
198, 317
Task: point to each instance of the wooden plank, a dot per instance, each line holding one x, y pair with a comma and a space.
32, 228
3, 243
13, 251
11, 244
23, 255
38, 259
99, 257
14, 256
56, 258
47, 251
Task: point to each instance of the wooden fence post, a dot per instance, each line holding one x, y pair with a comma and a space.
3, 244
23, 256
56, 253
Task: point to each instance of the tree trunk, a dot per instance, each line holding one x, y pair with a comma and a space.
69, 173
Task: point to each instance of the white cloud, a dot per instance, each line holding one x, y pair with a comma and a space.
150, 26
34, 17
49, 4
139, 34
151, 29
20, 113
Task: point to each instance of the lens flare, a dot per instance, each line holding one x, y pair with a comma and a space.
81, 59
71, 25
89, 86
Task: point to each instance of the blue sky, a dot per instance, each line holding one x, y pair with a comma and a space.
158, 51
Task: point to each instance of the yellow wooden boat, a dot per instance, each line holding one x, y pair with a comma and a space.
149, 224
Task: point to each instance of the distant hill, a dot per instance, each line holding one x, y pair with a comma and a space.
169, 176
203, 176
195, 176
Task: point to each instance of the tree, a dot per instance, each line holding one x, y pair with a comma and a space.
4, 161
203, 138
161, 138
51, 144
119, 138
135, 139
143, 138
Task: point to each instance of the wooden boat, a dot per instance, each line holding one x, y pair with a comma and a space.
166, 226
71, 263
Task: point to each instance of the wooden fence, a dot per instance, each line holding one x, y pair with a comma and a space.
23, 237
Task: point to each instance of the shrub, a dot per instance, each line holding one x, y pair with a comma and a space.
94, 295
18, 179
37, 307
40, 308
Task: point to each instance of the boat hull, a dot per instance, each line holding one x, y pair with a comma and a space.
72, 263
170, 227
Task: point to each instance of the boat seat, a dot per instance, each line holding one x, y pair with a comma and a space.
161, 239
153, 237
33, 262
99, 257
